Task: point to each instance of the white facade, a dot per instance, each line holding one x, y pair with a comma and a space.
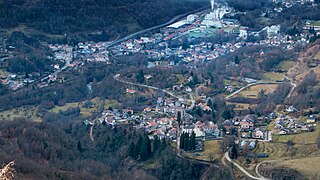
243, 33
191, 18
273, 30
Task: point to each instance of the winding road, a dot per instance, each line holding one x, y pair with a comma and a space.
117, 77
227, 157
264, 82
259, 164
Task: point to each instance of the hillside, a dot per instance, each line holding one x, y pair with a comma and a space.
87, 19
26, 25
309, 60
306, 74
65, 151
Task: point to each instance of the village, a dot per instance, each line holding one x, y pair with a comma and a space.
160, 46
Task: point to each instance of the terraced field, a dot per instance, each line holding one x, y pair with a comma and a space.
274, 150
279, 150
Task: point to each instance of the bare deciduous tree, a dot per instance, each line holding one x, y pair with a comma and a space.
7, 171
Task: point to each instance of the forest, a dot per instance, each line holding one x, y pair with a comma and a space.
65, 151
87, 17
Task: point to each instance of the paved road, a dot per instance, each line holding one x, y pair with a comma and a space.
226, 157
251, 84
155, 27
116, 77
197, 160
292, 84
258, 165
264, 82
91, 132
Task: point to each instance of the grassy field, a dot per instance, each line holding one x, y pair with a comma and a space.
241, 106
211, 147
308, 166
28, 113
272, 77
274, 150
228, 82
285, 65
278, 151
316, 23
317, 56
181, 79
302, 138
86, 112
30, 31
253, 91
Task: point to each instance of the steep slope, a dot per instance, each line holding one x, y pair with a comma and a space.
309, 60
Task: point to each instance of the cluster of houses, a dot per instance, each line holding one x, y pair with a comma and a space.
156, 121
156, 46
288, 125
161, 120
92, 52
249, 127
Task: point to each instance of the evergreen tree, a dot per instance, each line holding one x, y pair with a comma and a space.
226, 114
145, 149
209, 103
179, 117
163, 145
140, 76
132, 150
234, 152
79, 147
138, 147
156, 144
148, 142
214, 106
182, 140
237, 59
193, 141
186, 142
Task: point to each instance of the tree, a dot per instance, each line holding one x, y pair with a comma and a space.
79, 147
226, 114
237, 60
144, 150
234, 152
186, 142
182, 137
291, 150
163, 144
140, 76
262, 93
193, 141
7, 171
211, 156
179, 117
148, 142
290, 144
132, 151
138, 147
156, 144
